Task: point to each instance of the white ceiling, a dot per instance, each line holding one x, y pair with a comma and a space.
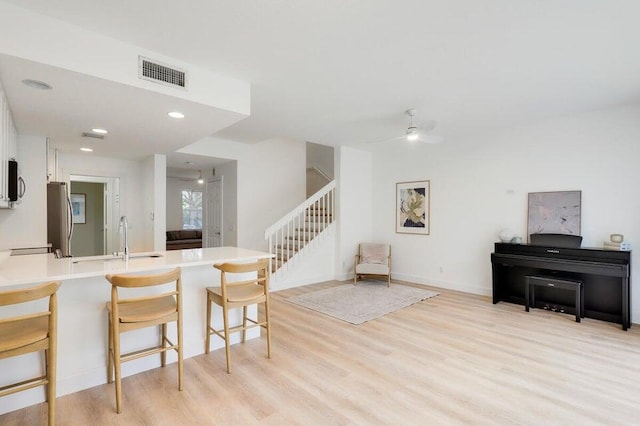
136, 119
342, 72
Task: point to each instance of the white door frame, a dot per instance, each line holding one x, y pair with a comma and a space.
111, 207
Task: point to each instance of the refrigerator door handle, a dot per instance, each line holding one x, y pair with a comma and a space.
22, 187
70, 220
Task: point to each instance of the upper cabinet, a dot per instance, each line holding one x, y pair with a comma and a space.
8, 151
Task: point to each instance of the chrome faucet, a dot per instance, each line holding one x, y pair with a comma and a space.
124, 225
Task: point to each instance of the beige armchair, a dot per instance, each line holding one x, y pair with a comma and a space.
373, 259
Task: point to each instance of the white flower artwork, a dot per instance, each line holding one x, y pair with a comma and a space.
412, 207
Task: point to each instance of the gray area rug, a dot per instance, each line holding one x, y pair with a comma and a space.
362, 302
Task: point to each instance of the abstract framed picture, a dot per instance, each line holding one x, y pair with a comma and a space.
556, 212
412, 207
78, 208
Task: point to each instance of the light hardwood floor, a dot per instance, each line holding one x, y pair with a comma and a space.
452, 359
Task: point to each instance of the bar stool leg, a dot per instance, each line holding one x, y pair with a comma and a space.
116, 362
110, 351
208, 325
51, 378
163, 343
226, 338
526, 295
267, 319
180, 350
582, 300
244, 324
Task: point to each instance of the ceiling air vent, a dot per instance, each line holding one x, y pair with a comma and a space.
161, 73
92, 135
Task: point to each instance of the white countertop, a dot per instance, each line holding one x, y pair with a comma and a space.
37, 268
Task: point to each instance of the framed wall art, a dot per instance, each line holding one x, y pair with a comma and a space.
556, 212
412, 207
78, 208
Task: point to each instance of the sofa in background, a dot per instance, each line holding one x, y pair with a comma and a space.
184, 239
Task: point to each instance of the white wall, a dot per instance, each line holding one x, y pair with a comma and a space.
26, 224
480, 185
315, 264
322, 157
271, 181
229, 173
354, 194
132, 185
154, 202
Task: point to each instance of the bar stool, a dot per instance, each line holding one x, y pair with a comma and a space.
140, 312
31, 333
232, 295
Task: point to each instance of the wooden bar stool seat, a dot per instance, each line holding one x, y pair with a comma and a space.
141, 312
32, 333
19, 334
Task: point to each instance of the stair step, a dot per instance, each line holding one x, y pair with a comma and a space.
290, 249
311, 231
318, 214
302, 240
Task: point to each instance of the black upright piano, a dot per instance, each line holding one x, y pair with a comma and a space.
605, 274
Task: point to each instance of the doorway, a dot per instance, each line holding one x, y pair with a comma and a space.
96, 231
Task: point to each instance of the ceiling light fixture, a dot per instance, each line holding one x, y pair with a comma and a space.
86, 149
200, 180
175, 114
35, 84
99, 131
412, 130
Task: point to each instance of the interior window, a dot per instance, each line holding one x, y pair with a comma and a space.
191, 209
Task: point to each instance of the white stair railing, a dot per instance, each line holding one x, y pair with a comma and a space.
290, 235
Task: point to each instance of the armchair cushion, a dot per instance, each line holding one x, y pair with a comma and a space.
374, 253
372, 269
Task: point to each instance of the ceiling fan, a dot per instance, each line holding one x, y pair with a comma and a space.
414, 133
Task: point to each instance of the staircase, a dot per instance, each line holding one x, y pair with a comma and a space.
295, 234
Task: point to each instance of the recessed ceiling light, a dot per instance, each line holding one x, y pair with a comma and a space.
176, 114
99, 131
86, 149
35, 84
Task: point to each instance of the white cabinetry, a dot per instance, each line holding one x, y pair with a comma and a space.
8, 148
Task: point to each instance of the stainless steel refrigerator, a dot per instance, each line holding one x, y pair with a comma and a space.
59, 218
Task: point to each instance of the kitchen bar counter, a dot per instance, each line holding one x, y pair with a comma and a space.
82, 316
37, 268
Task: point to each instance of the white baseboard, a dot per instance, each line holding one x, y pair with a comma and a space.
482, 291
277, 285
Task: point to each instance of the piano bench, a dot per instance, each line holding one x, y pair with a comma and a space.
532, 281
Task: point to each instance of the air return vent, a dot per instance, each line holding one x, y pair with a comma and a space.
92, 135
161, 73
